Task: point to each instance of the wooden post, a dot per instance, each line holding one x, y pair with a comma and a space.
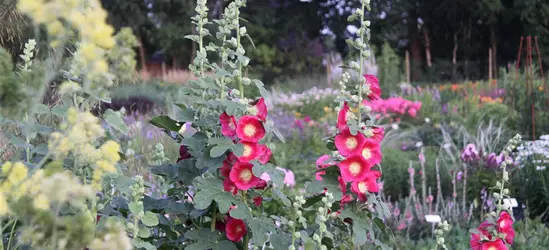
489, 64
408, 66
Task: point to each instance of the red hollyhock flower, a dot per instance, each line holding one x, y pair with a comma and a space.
258, 200
373, 91
345, 199
228, 125
354, 168
235, 229
342, 185
242, 176
183, 153
220, 226
343, 116
265, 154
347, 144
476, 240
251, 151
229, 186
505, 225
371, 151
259, 109
250, 128
261, 184
494, 245
379, 133
227, 164
368, 184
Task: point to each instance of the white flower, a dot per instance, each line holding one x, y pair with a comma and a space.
427, 120
394, 126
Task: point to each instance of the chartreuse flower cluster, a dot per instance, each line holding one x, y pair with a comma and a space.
79, 138
439, 233
497, 231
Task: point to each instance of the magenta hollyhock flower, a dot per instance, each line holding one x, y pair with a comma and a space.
250, 128
260, 109
373, 91
371, 151
229, 186
343, 117
252, 151
505, 226
228, 125
242, 176
348, 144
369, 183
354, 168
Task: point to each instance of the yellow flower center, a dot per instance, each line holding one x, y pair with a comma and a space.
492, 248
366, 153
249, 130
247, 150
362, 187
246, 175
355, 168
351, 143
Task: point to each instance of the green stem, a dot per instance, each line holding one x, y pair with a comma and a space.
214, 217
361, 64
11, 233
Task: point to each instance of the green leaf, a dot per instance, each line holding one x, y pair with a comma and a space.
150, 219
277, 175
144, 232
19, 142
186, 114
139, 243
135, 208
218, 150
261, 87
210, 189
211, 163
205, 240
279, 195
232, 107
165, 122
42, 109
114, 119
328, 242
313, 200
281, 241
241, 211
260, 227
194, 38
60, 110
41, 149
328, 181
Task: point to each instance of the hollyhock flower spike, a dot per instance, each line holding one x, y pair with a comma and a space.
228, 125
343, 117
242, 176
354, 168
252, 151
371, 151
372, 90
259, 109
235, 229
348, 144
505, 225
265, 154
250, 128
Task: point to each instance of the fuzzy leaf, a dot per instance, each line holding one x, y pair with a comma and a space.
41, 149
281, 241
277, 176
114, 119
135, 208
150, 219
260, 227
42, 109
219, 150
210, 189
279, 195
205, 240
328, 181
241, 211
165, 122
60, 110
139, 243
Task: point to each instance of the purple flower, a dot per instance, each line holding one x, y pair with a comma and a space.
470, 153
459, 175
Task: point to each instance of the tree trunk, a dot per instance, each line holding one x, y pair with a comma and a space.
142, 54
494, 50
454, 57
415, 47
427, 47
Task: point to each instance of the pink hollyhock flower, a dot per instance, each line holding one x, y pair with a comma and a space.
242, 176
373, 91
476, 240
421, 157
228, 125
369, 183
494, 245
259, 109
505, 225
265, 154
346, 198
258, 200
261, 185
412, 112
289, 177
235, 229
343, 117
322, 162
354, 168
348, 144
250, 128
251, 151
371, 151
379, 133
229, 186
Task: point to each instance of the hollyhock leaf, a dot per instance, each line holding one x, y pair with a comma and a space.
238, 149
379, 223
219, 150
241, 211
260, 227
144, 232
329, 182
60, 110
222, 73
261, 88
328, 242
205, 240
331, 145
150, 219
312, 200
220, 141
277, 176
279, 195
211, 163
185, 114
353, 128
114, 119
41, 149
210, 189
280, 241
232, 107
165, 122
140, 244
271, 128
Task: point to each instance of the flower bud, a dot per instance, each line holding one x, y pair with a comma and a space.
291, 223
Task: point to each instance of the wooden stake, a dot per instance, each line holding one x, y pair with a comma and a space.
490, 64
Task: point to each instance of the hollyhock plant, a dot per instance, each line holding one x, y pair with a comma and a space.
343, 117
369, 183
354, 168
252, 151
250, 128
347, 143
372, 89
371, 151
242, 176
228, 125
235, 229
505, 226
259, 108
